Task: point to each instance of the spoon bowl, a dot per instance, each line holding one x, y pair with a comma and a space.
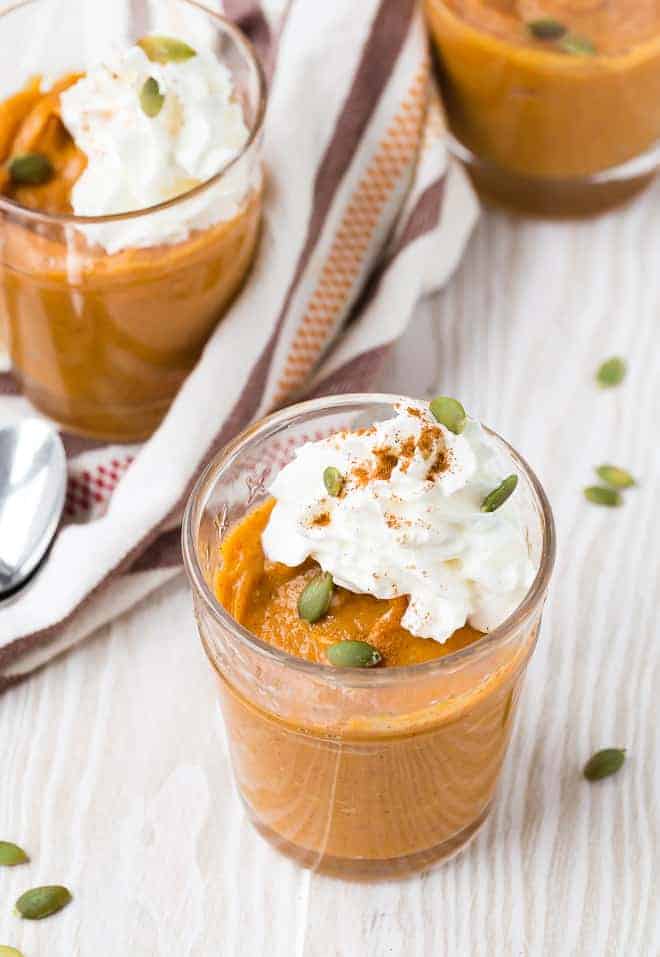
32, 492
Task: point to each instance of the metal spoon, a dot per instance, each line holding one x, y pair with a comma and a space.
32, 492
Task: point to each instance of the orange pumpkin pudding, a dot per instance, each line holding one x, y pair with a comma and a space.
550, 100
379, 569
131, 200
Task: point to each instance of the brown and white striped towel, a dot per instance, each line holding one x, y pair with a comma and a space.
364, 215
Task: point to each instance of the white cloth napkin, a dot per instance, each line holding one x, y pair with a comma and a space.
364, 215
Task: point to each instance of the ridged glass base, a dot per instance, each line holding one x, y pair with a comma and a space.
362, 869
558, 198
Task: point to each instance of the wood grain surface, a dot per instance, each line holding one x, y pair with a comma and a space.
115, 773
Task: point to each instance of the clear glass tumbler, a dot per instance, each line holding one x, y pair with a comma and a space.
554, 117
364, 774
101, 338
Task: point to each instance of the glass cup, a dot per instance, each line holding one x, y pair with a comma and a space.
101, 337
552, 126
364, 774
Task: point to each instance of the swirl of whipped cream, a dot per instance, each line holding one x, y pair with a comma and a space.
407, 521
135, 161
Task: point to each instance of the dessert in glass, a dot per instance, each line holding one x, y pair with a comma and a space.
130, 204
554, 105
368, 575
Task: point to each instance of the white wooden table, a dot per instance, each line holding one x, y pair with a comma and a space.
115, 773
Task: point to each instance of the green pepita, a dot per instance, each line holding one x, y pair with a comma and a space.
576, 46
449, 412
546, 29
615, 476
499, 495
333, 480
6, 951
353, 654
41, 902
162, 49
12, 854
315, 598
30, 169
600, 495
151, 99
611, 373
603, 763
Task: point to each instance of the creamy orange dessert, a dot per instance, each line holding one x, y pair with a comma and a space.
120, 249
400, 544
558, 90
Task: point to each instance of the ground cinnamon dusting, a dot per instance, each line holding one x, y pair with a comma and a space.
386, 461
407, 453
360, 474
429, 435
322, 519
438, 465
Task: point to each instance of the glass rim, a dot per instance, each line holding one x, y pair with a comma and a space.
71, 219
358, 677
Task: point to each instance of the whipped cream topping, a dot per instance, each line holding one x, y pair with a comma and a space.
407, 521
135, 161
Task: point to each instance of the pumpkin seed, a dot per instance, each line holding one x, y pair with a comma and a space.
12, 854
151, 99
161, 49
599, 495
603, 763
546, 29
499, 495
612, 372
6, 951
353, 654
577, 46
315, 598
449, 412
30, 169
615, 476
41, 902
333, 480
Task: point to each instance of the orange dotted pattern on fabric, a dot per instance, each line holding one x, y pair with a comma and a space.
393, 158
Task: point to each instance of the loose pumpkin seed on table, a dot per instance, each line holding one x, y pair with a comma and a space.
40, 902
7, 951
615, 476
611, 373
604, 763
11, 854
600, 495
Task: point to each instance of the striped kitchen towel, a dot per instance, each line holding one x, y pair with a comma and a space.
365, 213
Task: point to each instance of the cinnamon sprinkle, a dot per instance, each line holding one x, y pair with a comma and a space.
321, 520
438, 465
361, 474
428, 437
386, 461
